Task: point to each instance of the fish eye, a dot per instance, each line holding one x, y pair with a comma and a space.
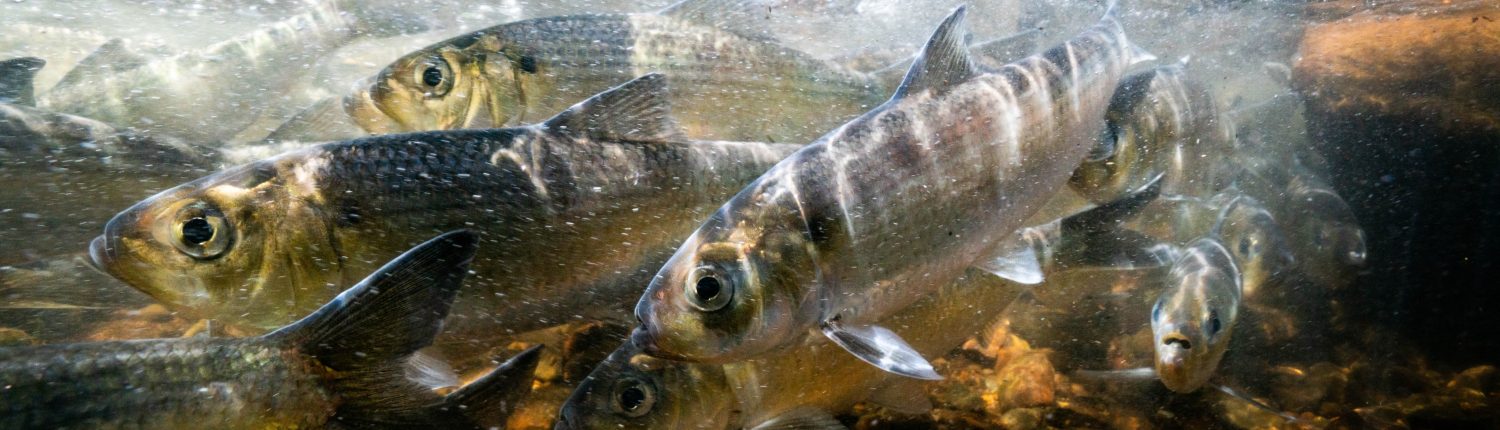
709, 290
435, 77
1245, 245
201, 232
634, 398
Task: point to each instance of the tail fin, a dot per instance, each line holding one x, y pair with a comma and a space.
16, 76
368, 333
489, 400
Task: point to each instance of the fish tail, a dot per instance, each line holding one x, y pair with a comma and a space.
368, 334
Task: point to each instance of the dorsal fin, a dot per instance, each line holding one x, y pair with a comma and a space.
735, 16
636, 111
110, 58
16, 77
944, 61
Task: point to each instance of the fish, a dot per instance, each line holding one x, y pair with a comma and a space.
575, 210
730, 81
344, 364
1330, 245
209, 95
883, 210
1193, 318
16, 77
1159, 121
814, 377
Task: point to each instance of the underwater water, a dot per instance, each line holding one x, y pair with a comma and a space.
749, 214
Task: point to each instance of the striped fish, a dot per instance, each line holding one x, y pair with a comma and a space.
887, 208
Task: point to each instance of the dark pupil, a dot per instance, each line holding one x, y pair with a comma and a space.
432, 76
631, 398
708, 288
1213, 324
196, 231
1245, 246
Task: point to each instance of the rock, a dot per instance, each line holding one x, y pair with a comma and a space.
1443, 67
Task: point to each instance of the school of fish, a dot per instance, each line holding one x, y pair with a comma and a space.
658, 219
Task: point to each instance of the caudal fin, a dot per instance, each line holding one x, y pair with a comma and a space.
367, 334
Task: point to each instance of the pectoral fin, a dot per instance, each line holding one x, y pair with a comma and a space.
881, 347
1017, 262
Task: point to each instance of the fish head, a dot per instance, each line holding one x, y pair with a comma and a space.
468, 82
738, 287
634, 390
1255, 241
1192, 319
240, 246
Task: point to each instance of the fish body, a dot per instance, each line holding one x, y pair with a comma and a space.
343, 363
211, 94
1159, 121
888, 207
808, 383
574, 212
726, 84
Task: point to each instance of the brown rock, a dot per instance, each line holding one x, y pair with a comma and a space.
1439, 64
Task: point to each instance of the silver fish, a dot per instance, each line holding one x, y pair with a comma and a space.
887, 208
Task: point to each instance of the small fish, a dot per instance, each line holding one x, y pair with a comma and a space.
211, 94
575, 211
801, 387
343, 363
730, 82
1159, 121
887, 208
